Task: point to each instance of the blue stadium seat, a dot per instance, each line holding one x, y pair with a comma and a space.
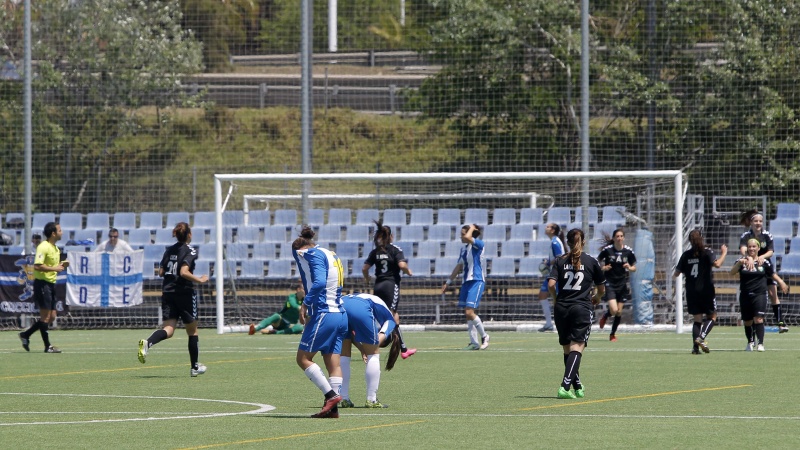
394, 217
406, 246
227, 235
252, 269
348, 250
611, 214
412, 233
206, 252
788, 211
421, 216
41, 219
429, 249
173, 217
780, 228
593, 215
441, 233
139, 237
780, 246
82, 235
164, 237
237, 251
604, 228
70, 222
124, 221
259, 218
276, 233
154, 252
790, 264
366, 216
529, 268
150, 269
490, 249
496, 233
200, 235
504, 216
561, 215
340, 216
358, 233
248, 234
502, 268
794, 245
232, 219
280, 269
539, 249
265, 251
513, 249
147, 221
205, 219
443, 267
329, 233
14, 234
449, 216
17, 218
420, 267
202, 267
453, 248
522, 232
231, 268
531, 216
67, 249
315, 217
478, 216
287, 217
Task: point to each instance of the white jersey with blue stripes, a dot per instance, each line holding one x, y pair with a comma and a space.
557, 249
322, 275
474, 263
380, 312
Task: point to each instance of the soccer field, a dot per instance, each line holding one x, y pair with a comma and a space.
644, 391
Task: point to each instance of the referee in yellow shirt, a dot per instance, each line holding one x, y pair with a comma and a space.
46, 266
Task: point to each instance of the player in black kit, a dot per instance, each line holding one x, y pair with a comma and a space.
695, 264
754, 221
575, 274
617, 260
178, 297
389, 261
752, 292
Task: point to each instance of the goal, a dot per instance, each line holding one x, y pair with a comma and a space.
258, 216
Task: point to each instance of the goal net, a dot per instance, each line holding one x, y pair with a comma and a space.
257, 216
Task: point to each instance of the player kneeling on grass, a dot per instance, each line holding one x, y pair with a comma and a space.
286, 320
371, 326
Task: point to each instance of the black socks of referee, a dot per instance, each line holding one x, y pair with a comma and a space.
571, 368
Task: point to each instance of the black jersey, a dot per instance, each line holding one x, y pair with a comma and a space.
177, 256
755, 281
764, 238
618, 275
386, 263
696, 271
575, 283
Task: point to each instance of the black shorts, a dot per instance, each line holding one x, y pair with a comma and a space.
179, 305
44, 294
573, 321
701, 303
389, 292
619, 293
752, 305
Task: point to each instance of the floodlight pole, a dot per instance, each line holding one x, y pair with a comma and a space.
306, 85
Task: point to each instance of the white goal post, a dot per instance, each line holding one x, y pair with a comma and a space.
308, 188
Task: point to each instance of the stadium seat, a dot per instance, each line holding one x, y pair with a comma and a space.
478, 216
276, 233
14, 234
780, 228
448, 216
394, 217
231, 268
164, 237
237, 251
14, 250
87, 234
265, 251
490, 249
41, 219
227, 235
561, 215
453, 248
593, 215
340, 216
67, 249
150, 269
522, 232
779, 246
513, 249
420, 267
249, 234
531, 216
206, 252
496, 233
443, 267
790, 264
406, 246
603, 229
139, 237
330, 233
315, 217
502, 268
259, 218
421, 216
70, 222
441, 233
529, 268
366, 216
504, 216
348, 250
147, 221
611, 214
173, 217
539, 249
154, 252
124, 221
287, 217
358, 233
280, 269
16, 221
593, 247
794, 245
788, 211
252, 269
202, 267
205, 219
232, 219
412, 233
429, 249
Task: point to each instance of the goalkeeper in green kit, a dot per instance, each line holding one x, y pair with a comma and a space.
286, 320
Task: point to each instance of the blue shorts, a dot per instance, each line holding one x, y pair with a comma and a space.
324, 333
362, 324
470, 294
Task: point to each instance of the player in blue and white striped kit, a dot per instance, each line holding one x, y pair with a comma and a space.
326, 325
372, 326
472, 262
557, 248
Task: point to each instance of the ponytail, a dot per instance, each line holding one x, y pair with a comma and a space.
696, 239
383, 235
576, 240
305, 239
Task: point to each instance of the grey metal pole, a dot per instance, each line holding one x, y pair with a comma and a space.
333, 27
585, 154
306, 84
28, 125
